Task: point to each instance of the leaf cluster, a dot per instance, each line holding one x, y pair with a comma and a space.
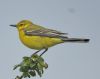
31, 66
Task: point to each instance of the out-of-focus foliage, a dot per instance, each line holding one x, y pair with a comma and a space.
31, 66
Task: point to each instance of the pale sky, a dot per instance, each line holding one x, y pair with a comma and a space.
78, 18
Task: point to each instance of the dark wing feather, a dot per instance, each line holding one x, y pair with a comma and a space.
45, 33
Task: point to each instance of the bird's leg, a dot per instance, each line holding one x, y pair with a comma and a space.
43, 52
35, 52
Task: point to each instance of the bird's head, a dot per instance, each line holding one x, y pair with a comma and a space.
22, 24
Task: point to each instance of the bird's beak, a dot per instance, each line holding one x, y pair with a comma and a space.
13, 25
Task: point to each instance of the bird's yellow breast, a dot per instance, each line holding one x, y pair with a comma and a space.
37, 42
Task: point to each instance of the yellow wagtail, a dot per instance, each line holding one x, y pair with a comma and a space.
37, 37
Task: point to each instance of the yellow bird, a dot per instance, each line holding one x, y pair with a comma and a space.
38, 37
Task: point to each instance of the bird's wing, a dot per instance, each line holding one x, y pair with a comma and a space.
55, 31
44, 33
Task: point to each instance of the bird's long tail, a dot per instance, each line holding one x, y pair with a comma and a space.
76, 40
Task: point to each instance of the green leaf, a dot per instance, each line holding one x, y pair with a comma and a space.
38, 72
26, 58
24, 68
32, 65
26, 61
26, 74
16, 66
40, 67
17, 77
46, 65
34, 57
32, 73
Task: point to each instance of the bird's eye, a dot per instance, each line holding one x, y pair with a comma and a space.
21, 24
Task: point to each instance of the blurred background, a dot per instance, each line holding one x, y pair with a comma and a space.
79, 18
